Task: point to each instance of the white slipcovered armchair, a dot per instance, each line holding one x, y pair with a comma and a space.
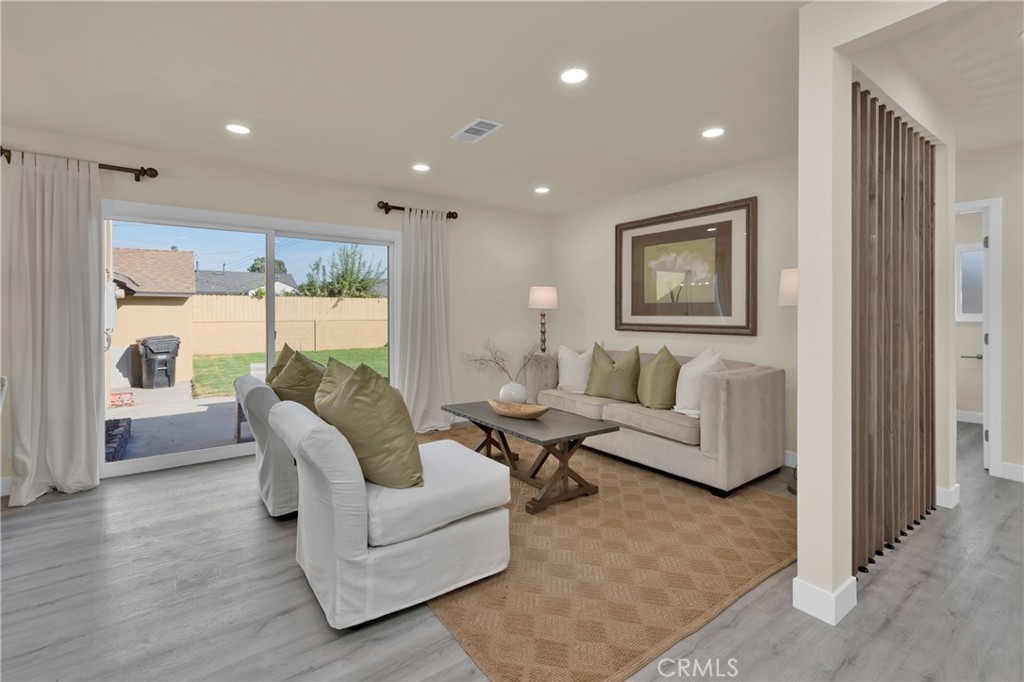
367, 550
275, 466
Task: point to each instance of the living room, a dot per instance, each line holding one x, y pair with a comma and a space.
351, 105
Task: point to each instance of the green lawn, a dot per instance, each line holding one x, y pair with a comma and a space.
216, 374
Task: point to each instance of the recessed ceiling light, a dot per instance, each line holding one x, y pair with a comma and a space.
574, 75
712, 229
713, 132
542, 190
237, 129
420, 167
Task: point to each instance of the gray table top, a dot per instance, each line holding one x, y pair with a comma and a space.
554, 427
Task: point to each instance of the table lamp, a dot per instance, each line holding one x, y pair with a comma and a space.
543, 299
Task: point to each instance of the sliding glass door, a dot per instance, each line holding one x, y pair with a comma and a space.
189, 307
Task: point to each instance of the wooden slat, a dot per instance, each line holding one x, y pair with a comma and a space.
888, 225
859, 439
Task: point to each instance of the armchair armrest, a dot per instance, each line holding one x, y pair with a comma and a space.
541, 375
332, 490
743, 421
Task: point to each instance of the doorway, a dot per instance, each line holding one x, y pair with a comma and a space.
977, 332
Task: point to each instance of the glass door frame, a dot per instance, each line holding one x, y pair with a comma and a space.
271, 228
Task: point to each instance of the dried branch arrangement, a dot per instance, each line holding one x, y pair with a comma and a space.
495, 360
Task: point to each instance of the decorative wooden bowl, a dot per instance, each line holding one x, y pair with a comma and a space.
517, 410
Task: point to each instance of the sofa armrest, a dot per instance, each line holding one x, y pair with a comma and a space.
743, 421
541, 375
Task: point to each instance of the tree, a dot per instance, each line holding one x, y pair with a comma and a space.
259, 264
348, 274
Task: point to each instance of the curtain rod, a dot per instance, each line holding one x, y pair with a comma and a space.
139, 173
388, 208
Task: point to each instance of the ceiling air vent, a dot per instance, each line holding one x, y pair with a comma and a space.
476, 130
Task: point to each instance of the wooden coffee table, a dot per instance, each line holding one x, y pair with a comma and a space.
559, 434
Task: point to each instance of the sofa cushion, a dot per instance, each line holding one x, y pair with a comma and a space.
614, 378
336, 374
577, 403
656, 388
372, 416
299, 381
691, 381
573, 369
457, 483
664, 423
282, 359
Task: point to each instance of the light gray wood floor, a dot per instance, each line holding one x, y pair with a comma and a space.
181, 575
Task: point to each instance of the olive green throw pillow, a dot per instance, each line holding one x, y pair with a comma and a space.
656, 388
282, 359
614, 379
337, 373
372, 416
299, 381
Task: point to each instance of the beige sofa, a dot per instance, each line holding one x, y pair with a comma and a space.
739, 436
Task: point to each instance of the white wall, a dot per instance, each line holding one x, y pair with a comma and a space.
986, 174
583, 268
495, 254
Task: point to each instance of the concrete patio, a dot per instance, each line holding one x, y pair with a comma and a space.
168, 420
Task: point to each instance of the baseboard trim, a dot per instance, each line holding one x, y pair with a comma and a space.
830, 607
970, 417
947, 497
5, 486
790, 459
1010, 471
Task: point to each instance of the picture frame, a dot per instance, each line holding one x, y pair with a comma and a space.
692, 272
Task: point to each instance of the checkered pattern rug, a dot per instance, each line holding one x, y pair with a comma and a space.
598, 586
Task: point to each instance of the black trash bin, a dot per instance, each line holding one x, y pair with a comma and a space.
158, 355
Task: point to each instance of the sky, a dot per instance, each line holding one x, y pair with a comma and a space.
235, 251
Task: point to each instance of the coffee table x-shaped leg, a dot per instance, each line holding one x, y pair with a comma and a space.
564, 484
504, 454
559, 486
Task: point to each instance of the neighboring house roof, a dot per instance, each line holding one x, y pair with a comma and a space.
154, 272
279, 288
228, 282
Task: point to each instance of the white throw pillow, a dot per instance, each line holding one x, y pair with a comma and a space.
691, 380
573, 369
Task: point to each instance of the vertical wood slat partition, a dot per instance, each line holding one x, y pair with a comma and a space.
893, 328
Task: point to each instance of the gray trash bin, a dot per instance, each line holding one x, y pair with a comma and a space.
158, 355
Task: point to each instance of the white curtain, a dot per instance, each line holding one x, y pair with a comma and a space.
53, 335
424, 374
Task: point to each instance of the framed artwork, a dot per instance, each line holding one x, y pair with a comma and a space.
693, 271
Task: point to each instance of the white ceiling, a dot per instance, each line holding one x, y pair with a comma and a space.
360, 91
973, 63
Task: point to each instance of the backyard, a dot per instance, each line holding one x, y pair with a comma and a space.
214, 375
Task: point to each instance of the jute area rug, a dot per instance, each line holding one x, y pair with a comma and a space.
599, 586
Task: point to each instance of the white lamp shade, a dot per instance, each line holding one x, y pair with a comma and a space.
543, 298
789, 287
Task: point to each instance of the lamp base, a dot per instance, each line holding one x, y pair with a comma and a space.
543, 333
